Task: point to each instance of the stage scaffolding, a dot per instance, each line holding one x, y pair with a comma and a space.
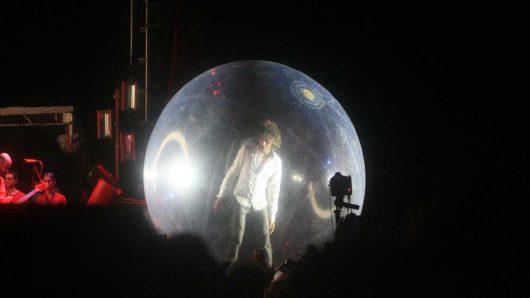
40, 116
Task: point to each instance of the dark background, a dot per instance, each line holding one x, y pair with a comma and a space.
446, 158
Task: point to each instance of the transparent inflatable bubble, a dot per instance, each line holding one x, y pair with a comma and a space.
200, 131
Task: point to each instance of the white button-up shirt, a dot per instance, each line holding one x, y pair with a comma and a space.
258, 180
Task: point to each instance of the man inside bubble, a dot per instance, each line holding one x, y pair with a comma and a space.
256, 173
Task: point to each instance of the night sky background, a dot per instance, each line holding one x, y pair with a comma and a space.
446, 158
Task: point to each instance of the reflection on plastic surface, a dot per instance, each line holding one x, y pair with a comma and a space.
201, 129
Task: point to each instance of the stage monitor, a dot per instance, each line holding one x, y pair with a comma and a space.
103, 194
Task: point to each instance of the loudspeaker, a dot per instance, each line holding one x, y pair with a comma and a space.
103, 194
100, 172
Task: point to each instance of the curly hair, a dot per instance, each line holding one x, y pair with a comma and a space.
270, 130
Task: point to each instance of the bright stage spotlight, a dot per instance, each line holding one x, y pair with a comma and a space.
297, 178
180, 175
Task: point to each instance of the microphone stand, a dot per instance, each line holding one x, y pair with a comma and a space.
39, 173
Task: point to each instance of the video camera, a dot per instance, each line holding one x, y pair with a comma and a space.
340, 185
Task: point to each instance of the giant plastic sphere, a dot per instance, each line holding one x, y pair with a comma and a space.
199, 132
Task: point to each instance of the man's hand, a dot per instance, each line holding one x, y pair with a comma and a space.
41, 187
271, 228
216, 204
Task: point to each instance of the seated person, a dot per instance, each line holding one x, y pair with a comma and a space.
5, 163
11, 180
50, 195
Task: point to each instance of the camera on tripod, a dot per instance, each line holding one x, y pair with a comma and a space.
340, 185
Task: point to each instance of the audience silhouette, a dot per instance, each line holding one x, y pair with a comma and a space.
50, 252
